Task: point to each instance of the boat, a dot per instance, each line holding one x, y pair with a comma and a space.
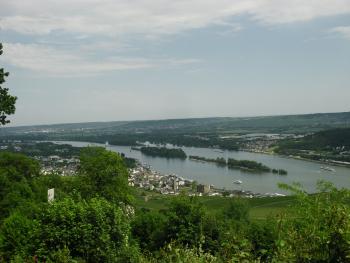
237, 182
326, 168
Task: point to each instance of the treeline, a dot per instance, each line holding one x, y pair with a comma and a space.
246, 165
164, 152
94, 218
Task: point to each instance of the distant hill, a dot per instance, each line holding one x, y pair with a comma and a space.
276, 124
331, 146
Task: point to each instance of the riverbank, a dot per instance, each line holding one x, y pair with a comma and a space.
144, 177
304, 172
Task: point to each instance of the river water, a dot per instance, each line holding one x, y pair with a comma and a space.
304, 172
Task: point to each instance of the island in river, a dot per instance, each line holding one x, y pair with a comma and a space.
246, 165
162, 152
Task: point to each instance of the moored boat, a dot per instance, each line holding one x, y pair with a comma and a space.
326, 168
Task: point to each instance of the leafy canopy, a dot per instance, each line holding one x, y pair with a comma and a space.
7, 101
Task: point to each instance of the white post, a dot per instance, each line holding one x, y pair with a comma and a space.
50, 195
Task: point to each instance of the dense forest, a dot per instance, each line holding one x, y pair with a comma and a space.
94, 218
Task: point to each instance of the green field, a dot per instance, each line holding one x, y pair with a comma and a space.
260, 208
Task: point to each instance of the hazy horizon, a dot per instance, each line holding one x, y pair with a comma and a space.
11, 125
151, 60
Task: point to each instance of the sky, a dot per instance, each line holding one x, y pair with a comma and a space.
109, 60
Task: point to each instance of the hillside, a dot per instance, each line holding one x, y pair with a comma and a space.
331, 144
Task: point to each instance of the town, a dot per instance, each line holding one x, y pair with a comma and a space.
144, 177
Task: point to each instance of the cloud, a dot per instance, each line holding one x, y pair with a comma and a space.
289, 11
54, 27
151, 17
342, 30
54, 62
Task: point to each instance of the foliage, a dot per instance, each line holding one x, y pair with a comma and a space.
90, 221
16, 236
185, 218
16, 189
104, 173
148, 229
237, 209
93, 230
320, 232
7, 102
174, 253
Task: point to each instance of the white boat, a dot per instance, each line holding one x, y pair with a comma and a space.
237, 182
326, 168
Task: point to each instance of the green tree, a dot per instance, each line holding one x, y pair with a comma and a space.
319, 231
16, 233
94, 230
16, 189
148, 229
104, 174
185, 219
7, 102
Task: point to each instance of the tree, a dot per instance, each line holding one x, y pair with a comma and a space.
93, 231
319, 230
7, 101
148, 228
16, 174
104, 174
185, 219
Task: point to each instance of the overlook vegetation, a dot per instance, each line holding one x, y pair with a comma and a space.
96, 217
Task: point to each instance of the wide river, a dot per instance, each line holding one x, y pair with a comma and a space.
304, 172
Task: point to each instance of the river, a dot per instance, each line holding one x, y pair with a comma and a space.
303, 172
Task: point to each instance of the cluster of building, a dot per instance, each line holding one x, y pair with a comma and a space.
57, 164
146, 178
261, 143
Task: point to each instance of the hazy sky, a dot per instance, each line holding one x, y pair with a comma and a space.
100, 60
